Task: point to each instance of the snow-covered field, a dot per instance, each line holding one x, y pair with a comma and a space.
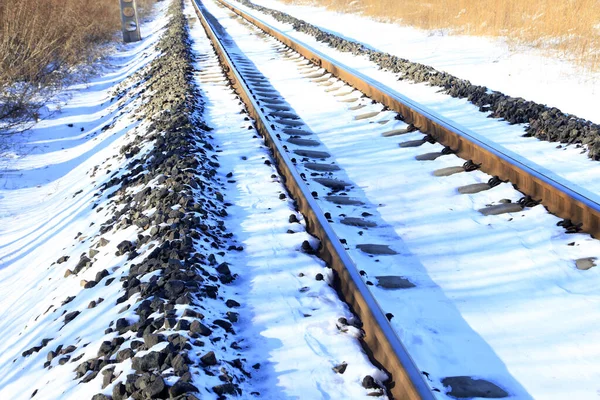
246, 311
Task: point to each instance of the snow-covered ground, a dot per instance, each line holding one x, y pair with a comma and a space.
515, 70
61, 324
495, 297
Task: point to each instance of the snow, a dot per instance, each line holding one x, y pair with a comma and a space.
496, 297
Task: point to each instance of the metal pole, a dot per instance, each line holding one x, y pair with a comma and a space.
129, 21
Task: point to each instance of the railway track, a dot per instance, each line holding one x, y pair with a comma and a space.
320, 186
559, 196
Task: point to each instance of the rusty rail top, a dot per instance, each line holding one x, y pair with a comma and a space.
560, 196
380, 338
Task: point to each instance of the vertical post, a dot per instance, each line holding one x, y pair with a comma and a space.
129, 21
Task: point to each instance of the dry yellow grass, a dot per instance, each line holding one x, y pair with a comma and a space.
39, 38
571, 27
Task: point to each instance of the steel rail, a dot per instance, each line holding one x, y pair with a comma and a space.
380, 339
558, 195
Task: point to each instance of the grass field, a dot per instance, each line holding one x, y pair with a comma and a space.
571, 27
40, 38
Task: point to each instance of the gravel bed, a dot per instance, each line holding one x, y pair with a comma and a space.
170, 337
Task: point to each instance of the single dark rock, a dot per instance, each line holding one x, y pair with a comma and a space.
340, 369
71, 316
232, 303
182, 325
223, 269
170, 323
192, 314
209, 358
108, 377
179, 364
84, 262
136, 344
69, 349
62, 259
119, 392
151, 339
122, 325
200, 328
223, 324
227, 388
90, 284
233, 316
88, 378
124, 247
100, 275
180, 387
174, 288
151, 385
105, 349
152, 360
124, 354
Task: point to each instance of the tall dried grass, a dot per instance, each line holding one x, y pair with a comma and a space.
570, 27
41, 39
